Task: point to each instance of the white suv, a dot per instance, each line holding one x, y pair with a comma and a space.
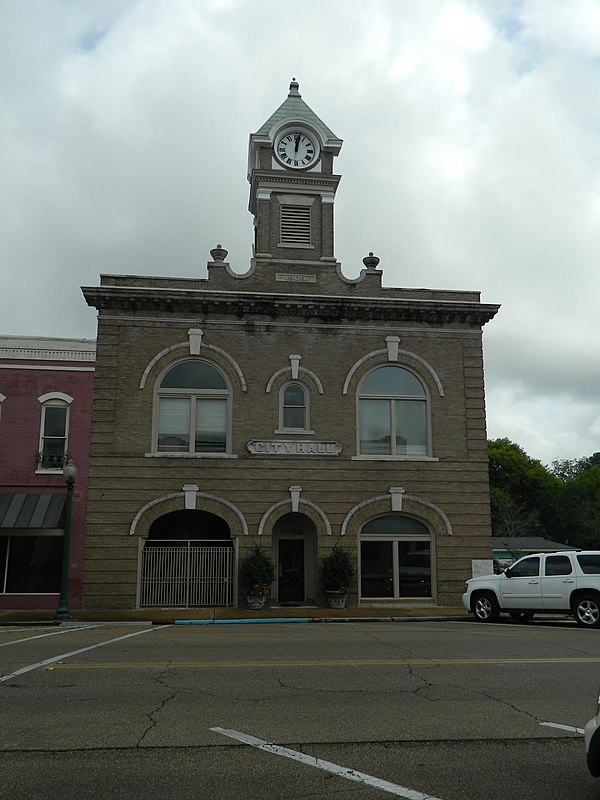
544, 583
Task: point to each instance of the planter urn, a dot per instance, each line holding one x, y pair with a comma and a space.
337, 599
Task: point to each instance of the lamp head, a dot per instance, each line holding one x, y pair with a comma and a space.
70, 471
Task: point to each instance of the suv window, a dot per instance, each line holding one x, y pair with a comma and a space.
590, 564
526, 567
558, 565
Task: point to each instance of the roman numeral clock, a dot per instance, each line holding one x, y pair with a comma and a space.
296, 149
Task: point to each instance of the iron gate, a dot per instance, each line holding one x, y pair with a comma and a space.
186, 573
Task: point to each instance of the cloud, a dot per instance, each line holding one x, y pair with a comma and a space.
470, 160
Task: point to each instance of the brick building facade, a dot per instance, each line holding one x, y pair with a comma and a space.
288, 405
46, 390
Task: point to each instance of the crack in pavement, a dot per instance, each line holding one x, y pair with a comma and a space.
160, 679
469, 689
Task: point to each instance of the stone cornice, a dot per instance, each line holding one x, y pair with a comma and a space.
47, 349
306, 182
314, 179
307, 308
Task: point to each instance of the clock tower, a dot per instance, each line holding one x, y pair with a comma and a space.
293, 186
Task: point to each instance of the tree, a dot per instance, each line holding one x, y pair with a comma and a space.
510, 518
566, 469
524, 493
581, 508
527, 498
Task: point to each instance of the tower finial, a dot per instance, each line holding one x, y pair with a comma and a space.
294, 86
371, 261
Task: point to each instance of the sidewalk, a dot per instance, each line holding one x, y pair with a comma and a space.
166, 616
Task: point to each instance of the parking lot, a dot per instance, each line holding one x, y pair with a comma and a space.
447, 710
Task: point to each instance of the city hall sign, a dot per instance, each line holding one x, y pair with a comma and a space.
293, 448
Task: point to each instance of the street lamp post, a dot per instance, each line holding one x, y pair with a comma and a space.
70, 476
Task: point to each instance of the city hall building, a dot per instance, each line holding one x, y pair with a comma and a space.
288, 406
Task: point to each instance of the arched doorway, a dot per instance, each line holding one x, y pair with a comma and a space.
199, 525
295, 537
187, 560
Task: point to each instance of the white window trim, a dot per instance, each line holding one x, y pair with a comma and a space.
395, 538
375, 457
225, 394
393, 456
56, 400
301, 431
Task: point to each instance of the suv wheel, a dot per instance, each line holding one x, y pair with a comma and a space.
587, 611
485, 607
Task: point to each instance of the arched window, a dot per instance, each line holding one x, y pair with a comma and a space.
395, 558
54, 429
294, 408
193, 409
393, 413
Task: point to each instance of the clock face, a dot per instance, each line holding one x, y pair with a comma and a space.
296, 150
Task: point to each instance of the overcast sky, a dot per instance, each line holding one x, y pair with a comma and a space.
471, 160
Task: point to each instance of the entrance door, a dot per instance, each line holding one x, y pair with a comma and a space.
291, 570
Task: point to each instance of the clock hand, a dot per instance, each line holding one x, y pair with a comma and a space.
297, 142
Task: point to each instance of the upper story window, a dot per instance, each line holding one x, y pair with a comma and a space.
294, 408
193, 409
393, 413
54, 430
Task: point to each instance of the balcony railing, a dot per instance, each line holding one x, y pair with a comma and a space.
53, 456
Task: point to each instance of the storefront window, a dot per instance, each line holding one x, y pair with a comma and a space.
30, 564
395, 558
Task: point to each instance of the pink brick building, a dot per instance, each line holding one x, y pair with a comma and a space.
46, 392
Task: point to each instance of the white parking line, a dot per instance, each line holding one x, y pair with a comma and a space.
75, 653
335, 769
11, 629
42, 635
562, 727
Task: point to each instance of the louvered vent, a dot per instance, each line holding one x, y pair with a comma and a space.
295, 225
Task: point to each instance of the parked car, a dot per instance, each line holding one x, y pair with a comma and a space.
592, 743
567, 582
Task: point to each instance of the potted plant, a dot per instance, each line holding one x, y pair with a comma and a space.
337, 571
256, 572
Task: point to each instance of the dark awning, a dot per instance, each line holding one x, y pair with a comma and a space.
32, 510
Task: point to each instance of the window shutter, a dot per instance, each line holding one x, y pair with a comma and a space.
295, 225
211, 425
174, 424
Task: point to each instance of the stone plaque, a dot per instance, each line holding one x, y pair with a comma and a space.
293, 278
294, 447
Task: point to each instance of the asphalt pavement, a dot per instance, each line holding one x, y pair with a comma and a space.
424, 710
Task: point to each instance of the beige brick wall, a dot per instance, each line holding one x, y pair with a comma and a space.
123, 479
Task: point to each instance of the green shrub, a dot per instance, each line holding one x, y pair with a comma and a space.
337, 570
256, 572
